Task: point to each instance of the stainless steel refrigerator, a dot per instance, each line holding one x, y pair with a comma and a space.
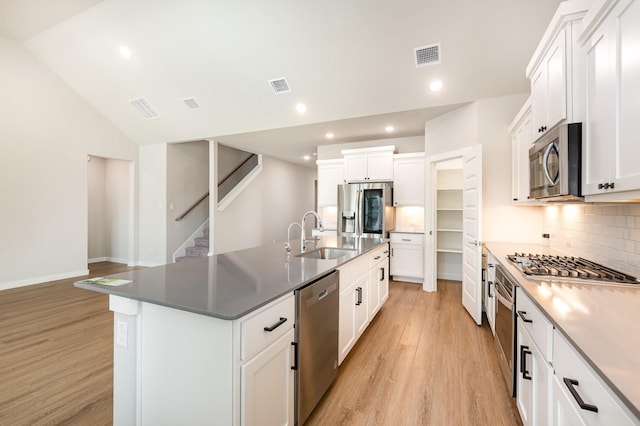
365, 209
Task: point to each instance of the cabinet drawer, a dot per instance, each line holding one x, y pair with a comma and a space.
401, 238
536, 324
378, 255
352, 271
255, 337
570, 366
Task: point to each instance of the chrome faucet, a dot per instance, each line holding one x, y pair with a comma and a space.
287, 247
302, 234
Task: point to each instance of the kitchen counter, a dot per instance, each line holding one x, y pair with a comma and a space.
230, 285
600, 320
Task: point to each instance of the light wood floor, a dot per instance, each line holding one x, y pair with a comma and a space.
422, 361
56, 353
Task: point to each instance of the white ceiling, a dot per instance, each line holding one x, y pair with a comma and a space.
350, 61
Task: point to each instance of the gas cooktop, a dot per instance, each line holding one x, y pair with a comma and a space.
543, 265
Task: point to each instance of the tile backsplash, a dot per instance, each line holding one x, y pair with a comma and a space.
409, 219
608, 234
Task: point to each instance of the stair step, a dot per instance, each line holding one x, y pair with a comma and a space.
197, 251
202, 242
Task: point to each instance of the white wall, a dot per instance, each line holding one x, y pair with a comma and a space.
152, 224
108, 210
486, 122
97, 223
187, 181
279, 195
404, 145
46, 133
117, 210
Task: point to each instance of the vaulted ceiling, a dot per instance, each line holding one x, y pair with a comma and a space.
351, 62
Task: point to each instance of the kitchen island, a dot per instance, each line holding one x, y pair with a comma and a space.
598, 321
209, 341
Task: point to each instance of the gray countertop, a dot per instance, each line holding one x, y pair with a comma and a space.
230, 285
601, 321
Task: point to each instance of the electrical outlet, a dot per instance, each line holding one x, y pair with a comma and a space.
121, 334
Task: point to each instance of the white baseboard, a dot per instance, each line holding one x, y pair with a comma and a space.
43, 279
108, 259
148, 264
450, 277
407, 279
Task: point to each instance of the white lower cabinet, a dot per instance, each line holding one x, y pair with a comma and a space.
581, 397
195, 369
407, 256
533, 380
267, 382
364, 287
489, 296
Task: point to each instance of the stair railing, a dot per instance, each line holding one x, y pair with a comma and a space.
193, 206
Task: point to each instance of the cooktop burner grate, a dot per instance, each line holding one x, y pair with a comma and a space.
568, 267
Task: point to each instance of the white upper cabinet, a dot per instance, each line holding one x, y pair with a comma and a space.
521, 140
408, 179
330, 175
556, 72
369, 164
611, 150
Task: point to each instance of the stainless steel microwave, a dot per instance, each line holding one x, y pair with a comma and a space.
555, 164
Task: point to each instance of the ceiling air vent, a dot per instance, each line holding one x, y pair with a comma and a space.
191, 103
142, 105
279, 85
427, 55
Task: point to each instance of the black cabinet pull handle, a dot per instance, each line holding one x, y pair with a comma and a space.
382, 274
295, 355
524, 351
376, 258
490, 284
359, 292
571, 384
611, 185
522, 314
600, 186
276, 325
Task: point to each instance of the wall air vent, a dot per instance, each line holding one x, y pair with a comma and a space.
145, 108
427, 55
191, 103
279, 85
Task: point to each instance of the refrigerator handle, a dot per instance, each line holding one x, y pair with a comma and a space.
359, 214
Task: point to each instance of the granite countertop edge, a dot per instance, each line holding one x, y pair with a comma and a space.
500, 250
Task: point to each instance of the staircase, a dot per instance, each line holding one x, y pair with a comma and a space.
200, 249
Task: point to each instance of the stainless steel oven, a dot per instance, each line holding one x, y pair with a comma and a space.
505, 324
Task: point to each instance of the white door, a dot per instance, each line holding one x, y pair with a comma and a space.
471, 245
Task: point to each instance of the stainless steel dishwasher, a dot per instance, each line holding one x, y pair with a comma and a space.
316, 343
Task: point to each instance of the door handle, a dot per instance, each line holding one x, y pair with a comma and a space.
524, 350
571, 384
276, 325
295, 355
523, 315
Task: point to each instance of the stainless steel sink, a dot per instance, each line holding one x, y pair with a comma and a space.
326, 253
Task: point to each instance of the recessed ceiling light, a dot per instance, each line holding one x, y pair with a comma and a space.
307, 158
329, 135
301, 108
125, 52
436, 85
389, 129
